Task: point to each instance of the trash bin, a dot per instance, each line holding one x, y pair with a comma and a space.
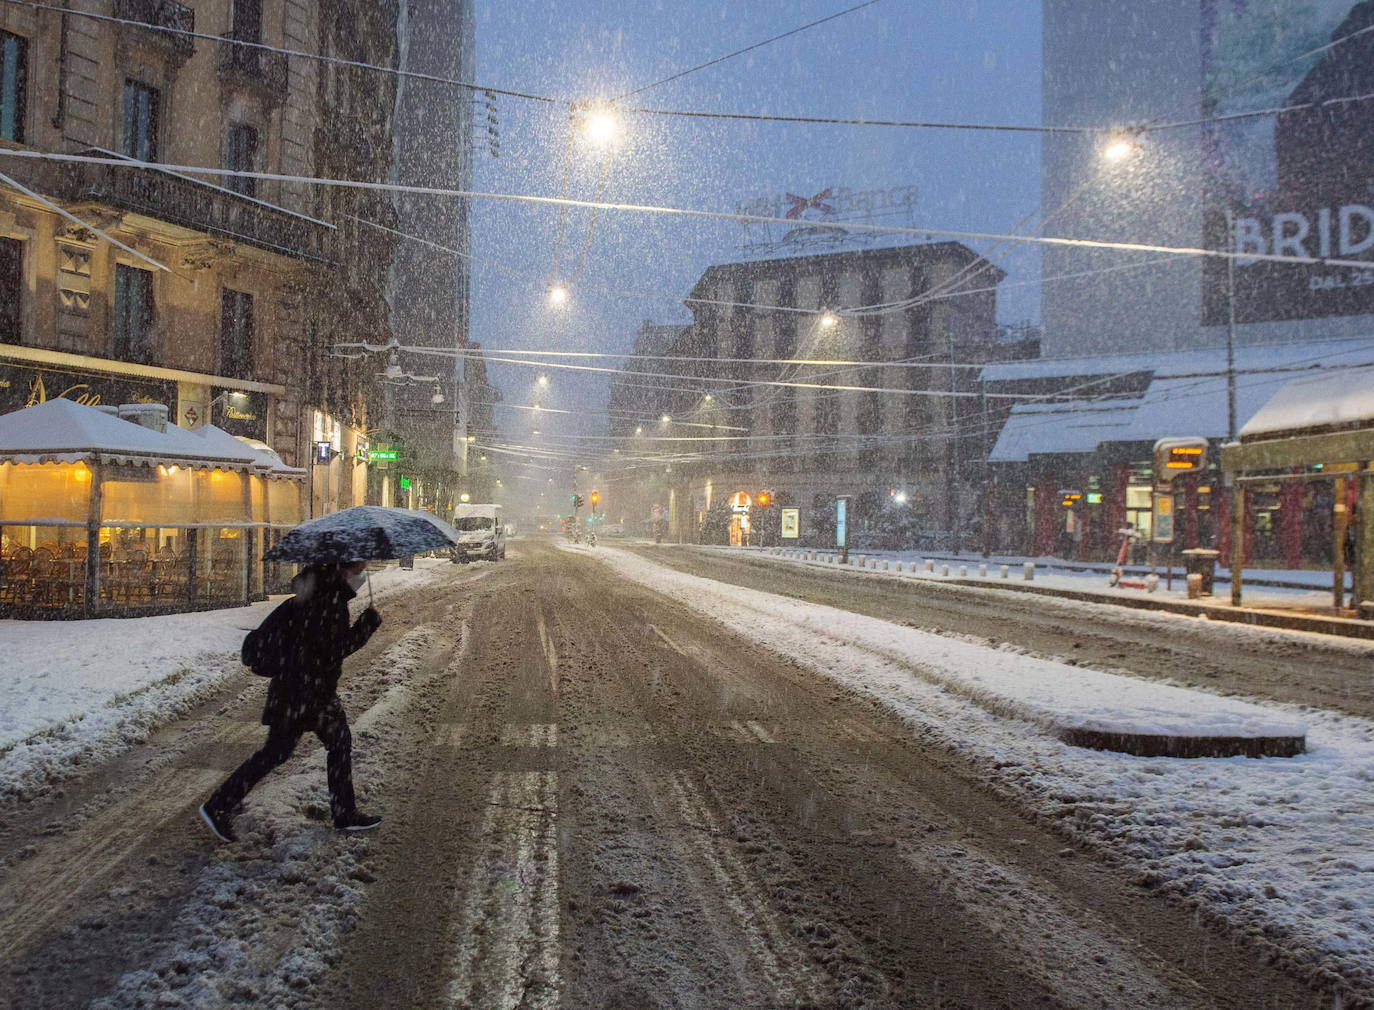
1201, 561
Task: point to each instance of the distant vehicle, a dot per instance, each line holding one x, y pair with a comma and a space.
481, 534
615, 530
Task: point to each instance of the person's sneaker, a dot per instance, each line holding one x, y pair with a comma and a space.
356, 822
218, 823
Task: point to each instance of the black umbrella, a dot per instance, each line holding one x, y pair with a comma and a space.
363, 533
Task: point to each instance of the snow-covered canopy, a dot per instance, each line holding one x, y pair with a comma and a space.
263, 457
64, 431
1318, 403
1185, 395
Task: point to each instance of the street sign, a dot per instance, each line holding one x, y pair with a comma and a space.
1176, 456
841, 507
791, 523
377, 455
1164, 518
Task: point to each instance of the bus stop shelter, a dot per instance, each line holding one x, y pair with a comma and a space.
1315, 428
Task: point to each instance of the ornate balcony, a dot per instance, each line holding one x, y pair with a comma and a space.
204, 207
161, 14
261, 70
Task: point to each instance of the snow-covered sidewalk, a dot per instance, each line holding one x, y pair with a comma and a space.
75, 690
914, 565
1276, 847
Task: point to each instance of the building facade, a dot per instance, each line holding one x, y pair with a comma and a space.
225, 294
1297, 183
910, 424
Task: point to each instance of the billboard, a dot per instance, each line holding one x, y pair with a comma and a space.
1298, 182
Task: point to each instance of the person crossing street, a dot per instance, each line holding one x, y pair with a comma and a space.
301, 646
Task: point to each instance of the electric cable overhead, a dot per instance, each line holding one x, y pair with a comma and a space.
747, 49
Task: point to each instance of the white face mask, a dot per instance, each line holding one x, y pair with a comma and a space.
357, 581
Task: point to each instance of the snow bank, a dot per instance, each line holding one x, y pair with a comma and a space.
72, 691
1054, 695
1276, 848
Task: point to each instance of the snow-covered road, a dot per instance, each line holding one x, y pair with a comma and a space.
609, 784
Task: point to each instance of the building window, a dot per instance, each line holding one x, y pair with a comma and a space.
14, 85
248, 20
133, 314
141, 115
236, 334
242, 156
11, 289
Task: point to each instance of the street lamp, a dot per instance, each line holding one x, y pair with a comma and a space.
600, 127
1121, 144
829, 320
543, 381
558, 295
665, 419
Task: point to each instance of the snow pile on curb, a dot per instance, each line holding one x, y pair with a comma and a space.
263, 922
1276, 848
1054, 695
77, 692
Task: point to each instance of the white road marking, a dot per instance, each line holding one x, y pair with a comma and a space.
533, 735
760, 732
668, 641
781, 962
506, 943
550, 653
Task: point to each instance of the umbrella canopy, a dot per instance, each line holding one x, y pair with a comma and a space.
361, 533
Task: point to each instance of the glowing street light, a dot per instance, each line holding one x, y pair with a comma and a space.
558, 295
543, 381
665, 419
829, 320
1121, 145
639, 431
600, 127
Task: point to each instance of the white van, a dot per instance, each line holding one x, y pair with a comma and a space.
481, 533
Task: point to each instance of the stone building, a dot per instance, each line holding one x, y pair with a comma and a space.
229, 292
920, 433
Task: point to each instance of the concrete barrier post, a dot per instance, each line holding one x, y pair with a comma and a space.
1028, 571
1006, 571
982, 571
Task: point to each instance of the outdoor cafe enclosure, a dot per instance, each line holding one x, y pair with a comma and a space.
99, 514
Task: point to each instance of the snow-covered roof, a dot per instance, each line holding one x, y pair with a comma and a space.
64, 431
1058, 428
1182, 363
263, 457
1186, 395
1316, 403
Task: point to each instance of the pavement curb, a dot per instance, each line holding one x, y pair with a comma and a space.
1343, 627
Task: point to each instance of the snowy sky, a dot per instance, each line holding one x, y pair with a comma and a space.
944, 60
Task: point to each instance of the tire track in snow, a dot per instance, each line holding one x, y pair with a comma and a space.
506, 942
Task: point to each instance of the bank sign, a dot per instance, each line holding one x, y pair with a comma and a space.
1296, 184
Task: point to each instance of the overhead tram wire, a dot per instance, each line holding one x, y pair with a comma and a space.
667, 211
320, 57
700, 114
740, 52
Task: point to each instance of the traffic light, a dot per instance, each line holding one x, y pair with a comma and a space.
596, 497
1175, 456
762, 499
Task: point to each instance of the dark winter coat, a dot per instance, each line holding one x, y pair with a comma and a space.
302, 646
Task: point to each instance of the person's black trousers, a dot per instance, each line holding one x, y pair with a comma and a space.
332, 729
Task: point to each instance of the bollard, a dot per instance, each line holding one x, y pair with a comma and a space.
944, 571
930, 565
1006, 571
982, 571
1028, 571
1195, 586
963, 571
